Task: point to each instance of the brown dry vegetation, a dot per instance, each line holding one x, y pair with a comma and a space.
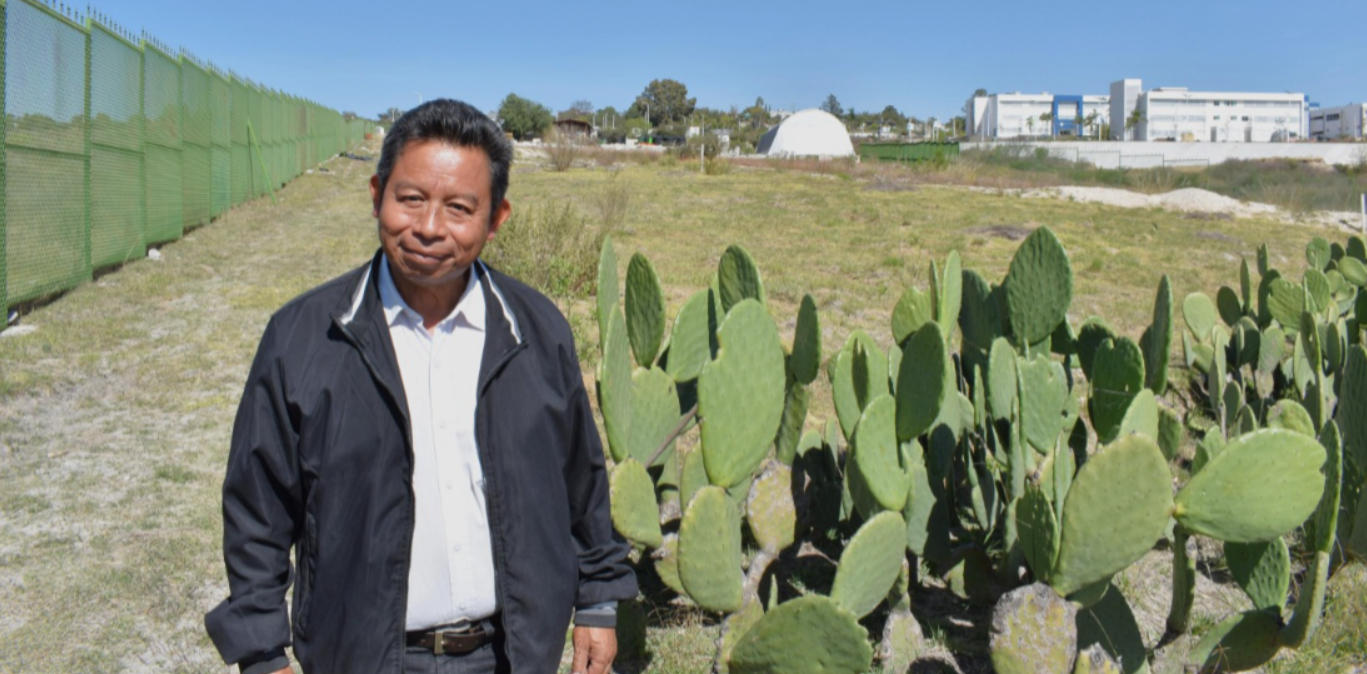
115, 413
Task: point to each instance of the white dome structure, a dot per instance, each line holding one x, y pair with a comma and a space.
807, 133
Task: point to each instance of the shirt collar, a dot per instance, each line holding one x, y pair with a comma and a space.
470, 305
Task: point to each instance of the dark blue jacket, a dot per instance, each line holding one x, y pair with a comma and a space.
322, 460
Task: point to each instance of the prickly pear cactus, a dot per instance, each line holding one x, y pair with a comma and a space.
738, 278
870, 564
1117, 508
694, 340
633, 505
740, 395
709, 551
808, 635
1258, 487
645, 307
1039, 287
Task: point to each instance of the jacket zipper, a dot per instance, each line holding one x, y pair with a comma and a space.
407, 547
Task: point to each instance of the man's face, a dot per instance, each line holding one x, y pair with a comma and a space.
435, 212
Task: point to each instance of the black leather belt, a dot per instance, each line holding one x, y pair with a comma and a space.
455, 639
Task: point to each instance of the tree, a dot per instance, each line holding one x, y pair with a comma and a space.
1133, 121
522, 117
391, 115
1091, 119
664, 101
1047, 118
978, 93
580, 109
832, 105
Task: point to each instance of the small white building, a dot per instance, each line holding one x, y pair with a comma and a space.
1179, 114
1344, 121
807, 133
1019, 116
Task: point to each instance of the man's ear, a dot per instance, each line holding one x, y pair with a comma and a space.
375, 195
499, 216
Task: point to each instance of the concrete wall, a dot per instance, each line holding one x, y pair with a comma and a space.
1138, 154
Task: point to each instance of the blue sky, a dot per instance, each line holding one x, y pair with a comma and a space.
924, 58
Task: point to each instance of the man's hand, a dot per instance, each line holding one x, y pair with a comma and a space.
594, 649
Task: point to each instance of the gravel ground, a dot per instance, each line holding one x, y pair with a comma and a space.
1195, 200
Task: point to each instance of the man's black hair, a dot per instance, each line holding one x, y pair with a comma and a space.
454, 122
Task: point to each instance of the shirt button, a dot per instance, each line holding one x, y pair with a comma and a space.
455, 547
441, 423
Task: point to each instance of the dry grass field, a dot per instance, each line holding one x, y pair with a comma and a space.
115, 411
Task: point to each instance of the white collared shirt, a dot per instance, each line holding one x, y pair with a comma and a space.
452, 571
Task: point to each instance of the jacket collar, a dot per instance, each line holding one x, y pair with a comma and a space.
365, 305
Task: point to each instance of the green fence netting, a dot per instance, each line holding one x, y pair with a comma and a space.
165, 171
220, 144
113, 143
197, 131
47, 240
116, 180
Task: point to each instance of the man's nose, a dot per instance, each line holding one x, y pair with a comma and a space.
429, 222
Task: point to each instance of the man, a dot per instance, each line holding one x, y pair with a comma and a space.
418, 431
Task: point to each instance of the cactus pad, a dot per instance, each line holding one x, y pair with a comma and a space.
1263, 570
1039, 286
635, 514
770, 511
709, 551
615, 386
1142, 417
1037, 530
738, 278
1110, 624
870, 563
1200, 314
694, 340
1352, 415
913, 310
667, 563
654, 413
1090, 336
645, 310
607, 288
923, 382
1239, 643
875, 456
1290, 415
1033, 630
1285, 302
1117, 508
951, 293
1260, 486
1170, 433
740, 395
733, 628
1001, 379
806, 359
1156, 341
807, 635
1043, 395
1117, 377
795, 400
980, 317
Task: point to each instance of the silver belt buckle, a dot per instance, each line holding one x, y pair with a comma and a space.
439, 637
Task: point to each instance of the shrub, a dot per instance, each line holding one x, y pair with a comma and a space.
563, 148
553, 249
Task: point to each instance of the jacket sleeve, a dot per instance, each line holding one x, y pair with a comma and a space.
604, 574
261, 514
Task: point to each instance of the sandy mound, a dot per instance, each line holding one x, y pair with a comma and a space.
1190, 199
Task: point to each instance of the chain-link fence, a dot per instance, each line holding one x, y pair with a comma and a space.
113, 142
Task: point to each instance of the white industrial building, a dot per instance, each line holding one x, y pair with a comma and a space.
1165, 113
1178, 114
1344, 121
1021, 116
